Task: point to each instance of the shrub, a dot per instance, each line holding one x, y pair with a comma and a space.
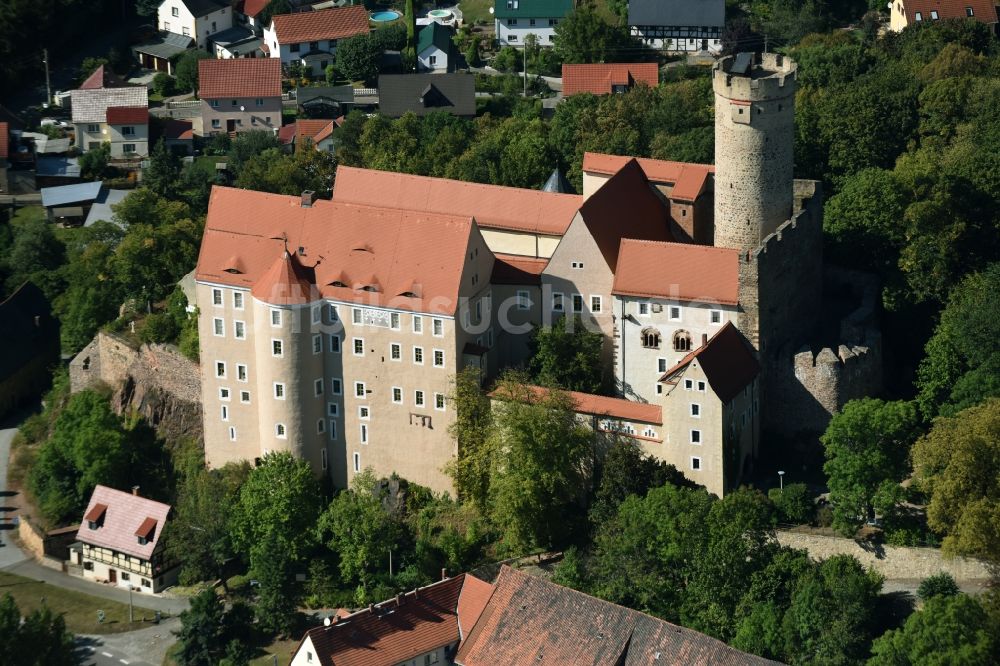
163, 84
159, 327
824, 516
938, 585
794, 503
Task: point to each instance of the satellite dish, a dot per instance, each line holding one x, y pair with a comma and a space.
491, 10
242, 108
326, 622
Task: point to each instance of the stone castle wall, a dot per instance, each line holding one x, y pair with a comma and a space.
155, 380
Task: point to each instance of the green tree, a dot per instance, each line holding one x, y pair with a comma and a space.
866, 445
202, 636
36, 254
247, 145
952, 629
470, 469
94, 162
940, 584
958, 464
357, 58
582, 36
147, 7
186, 70
163, 84
163, 172
272, 8
566, 355
862, 220
794, 503
277, 597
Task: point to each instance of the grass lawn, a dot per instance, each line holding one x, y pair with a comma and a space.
283, 650
476, 10
79, 610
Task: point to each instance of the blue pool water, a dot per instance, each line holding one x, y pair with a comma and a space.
381, 17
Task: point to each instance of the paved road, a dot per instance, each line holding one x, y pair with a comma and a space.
145, 647
10, 554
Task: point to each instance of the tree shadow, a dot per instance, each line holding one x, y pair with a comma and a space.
891, 611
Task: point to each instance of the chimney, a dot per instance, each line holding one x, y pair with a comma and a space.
704, 339
371, 608
308, 197
444, 574
135, 490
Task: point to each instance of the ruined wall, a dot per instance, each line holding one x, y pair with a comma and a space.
156, 381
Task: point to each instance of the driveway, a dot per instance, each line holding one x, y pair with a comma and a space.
145, 647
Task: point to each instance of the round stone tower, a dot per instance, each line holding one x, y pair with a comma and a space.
754, 134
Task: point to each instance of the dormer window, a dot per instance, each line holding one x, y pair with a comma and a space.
146, 530
95, 517
91, 524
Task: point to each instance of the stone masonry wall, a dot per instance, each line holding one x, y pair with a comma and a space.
893, 562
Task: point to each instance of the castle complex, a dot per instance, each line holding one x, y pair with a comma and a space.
333, 329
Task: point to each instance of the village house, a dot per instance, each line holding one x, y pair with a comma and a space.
903, 13
162, 51
239, 95
317, 134
434, 48
120, 541
248, 12
514, 20
608, 78
105, 110
197, 19
425, 93
678, 26
310, 38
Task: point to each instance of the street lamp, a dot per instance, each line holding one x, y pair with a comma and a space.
781, 480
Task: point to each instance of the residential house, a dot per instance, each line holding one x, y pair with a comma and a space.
120, 541
516, 19
105, 110
310, 38
237, 42
248, 12
903, 13
422, 94
162, 51
197, 19
178, 136
239, 95
314, 133
29, 346
336, 347
518, 620
324, 101
70, 203
421, 627
607, 78
678, 25
434, 48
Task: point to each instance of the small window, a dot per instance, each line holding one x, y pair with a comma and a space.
335, 344
232, 434
174, 11
333, 429
245, 397
688, 384
696, 436
577, 303
661, 365
437, 327
356, 316
675, 313
418, 324
359, 390
217, 297
332, 409
359, 347
701, 386
321, 428
279, 391
715, 317
682, 341
395, 351
275, 317
223, 394
279, 430
364, 412
439, 401
397, 395
332, 313
364, 433
128, 148
357, 462
438, 358
318, 387
643, 309
316, 313
418, 398
394, 321
317, 344
595, 303
225, 412
216, 123
934, 15
523, 300
918, 16
277, 348
218, 327
335, 386
125, 575
240, 330
695, 410
695, 463
969, 12
418, 355
557, 302
259, 101
659, 388
324, 464
220, 369
128, 130
93, 128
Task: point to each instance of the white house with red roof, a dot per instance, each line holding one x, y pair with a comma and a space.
119, 541
239, 95
903, 13
310, 38
106, 110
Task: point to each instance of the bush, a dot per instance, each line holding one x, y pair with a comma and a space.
163, 84
938, 585
508, 60
219, 144
159, 327
794, 503
824, 516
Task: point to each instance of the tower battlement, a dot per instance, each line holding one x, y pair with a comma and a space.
755, 77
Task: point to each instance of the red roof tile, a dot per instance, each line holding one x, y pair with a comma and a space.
4, 140
598, 78
127, 115
101, 78
253, 7
610, 219
286, 135
124, 515
178, 129
599, 405
336, 23
677, 271
727, 361
145, 530
475, 595
394, 249
327, 130
304, 129
287, 282
393, 633
493, 206
95, 512
688, 179
982, 10
514, 269
239, 77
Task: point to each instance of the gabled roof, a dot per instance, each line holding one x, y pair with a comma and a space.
515, 269
90, 105
599, 405
200, 8
471, 602
689, 180
727, 361
101, 78
348, 247
174, 129
252, 8
335, 23
982, 10
678, 13
610, 219
319, 94
304, 128
530, 620
127, 115
398, 630
434, 34
165, 45
326, 132
493, 206
239, 77
532, 8
600, 79
677, 271
122, 519
427, 93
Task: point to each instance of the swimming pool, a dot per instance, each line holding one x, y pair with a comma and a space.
440, 13
384, 17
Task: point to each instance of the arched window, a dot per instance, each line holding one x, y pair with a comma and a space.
650, 338
279, 429
682, 341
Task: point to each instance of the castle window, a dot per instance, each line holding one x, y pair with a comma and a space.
220, 369
437, 325
397, 395
695, 463
595, 303
523, 300
557, 302
675, 313
323, 462
279, 391
335, 344
279, 430
364, 413
438, 358
359, 390
439, 401
240, 330
359, 347
238, 300
316, 313
695, 410
577, 303
682, 341
418, 398
217, 297
245, 397
321, 428
701, 386
696, 436
333, 430
357, 462
394, 321
643, 309
364, 433
318, 387
218, 327
332, 409
232, 434
332, 313
223, 394
650, 338
356, 316
275, 317
688, 384
418, 355
395, 351
335, 386
418, 324
317, 344
276, 348
715, 316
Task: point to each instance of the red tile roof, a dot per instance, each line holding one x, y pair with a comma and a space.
145, 530
530, 621
599, 78
239, 77
677, 271
598, 405
475, 595
124, 515
336, 23
493, 206
286, 135
127, 115
390, 252
327, 130
95, 512
395, 632
625, 206
101, 78
253, 7
4, 140
688, 179
304, 129
287, 282
515, 269
727, 361
982, 10
178, 129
